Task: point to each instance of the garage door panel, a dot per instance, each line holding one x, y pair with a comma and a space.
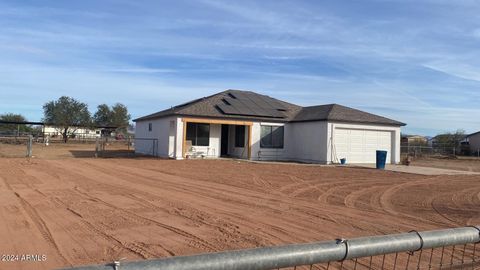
360, 146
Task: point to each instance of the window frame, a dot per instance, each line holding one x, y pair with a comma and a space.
195, 138
150, 127
271, 144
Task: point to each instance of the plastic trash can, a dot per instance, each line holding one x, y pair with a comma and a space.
381, 159
343, 161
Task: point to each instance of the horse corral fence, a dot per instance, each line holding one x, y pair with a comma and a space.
16, 145
441, 249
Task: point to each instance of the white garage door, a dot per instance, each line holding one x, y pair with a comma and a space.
360, 145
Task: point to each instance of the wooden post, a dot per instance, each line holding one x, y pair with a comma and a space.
96, 147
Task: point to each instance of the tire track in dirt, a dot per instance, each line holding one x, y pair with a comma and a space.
224, 227
211, 193
198, 242
210, 200
132, 247
41, 226
387, 196
148, 221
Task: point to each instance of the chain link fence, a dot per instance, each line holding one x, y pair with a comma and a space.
436, 150
106, 147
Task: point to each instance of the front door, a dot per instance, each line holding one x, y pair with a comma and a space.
224, 141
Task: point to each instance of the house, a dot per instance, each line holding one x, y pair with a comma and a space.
473, 142
414, 140
248, 125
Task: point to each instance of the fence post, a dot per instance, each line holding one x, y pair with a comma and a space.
29, 146
96, 147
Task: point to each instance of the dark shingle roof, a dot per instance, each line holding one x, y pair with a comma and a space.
208, 107
211, 107
335, 112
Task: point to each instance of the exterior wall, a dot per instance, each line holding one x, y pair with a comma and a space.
395, 155
160, 131
308, 141
168, 132
303, 141
474, 142
259, 153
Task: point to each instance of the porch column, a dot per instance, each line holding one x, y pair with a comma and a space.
184, 140
249, 142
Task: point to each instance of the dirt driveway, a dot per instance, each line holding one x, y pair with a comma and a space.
84, 211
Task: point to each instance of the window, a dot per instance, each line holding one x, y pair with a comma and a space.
198, 134
239, 136
149, 126
271, 137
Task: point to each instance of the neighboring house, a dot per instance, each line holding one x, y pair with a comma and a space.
244, 124
473, 141
414, 140
77, 132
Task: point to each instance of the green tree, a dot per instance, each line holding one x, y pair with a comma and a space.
117, 116
103, 116
12, 117
120, 116
66, 114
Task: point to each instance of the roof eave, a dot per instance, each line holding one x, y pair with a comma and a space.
399, 124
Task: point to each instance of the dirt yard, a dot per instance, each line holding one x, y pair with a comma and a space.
59, 150
471, 164
79, 211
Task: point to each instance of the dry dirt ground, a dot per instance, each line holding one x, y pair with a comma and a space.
84, 211
471, 164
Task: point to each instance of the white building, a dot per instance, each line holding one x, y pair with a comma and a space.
244, 124
78, 132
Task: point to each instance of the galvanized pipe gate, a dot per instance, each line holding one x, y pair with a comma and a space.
340, 250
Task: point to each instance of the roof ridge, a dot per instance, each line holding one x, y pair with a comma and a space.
330, 109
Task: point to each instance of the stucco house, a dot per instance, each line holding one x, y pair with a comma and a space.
248, 125
473, 142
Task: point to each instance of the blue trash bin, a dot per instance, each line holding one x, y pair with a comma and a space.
381, 159
343, 161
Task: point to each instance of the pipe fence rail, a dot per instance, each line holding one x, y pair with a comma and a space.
440, 249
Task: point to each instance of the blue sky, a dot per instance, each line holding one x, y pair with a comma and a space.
414, 61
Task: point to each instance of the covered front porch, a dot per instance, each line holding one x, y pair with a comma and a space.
214, 138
